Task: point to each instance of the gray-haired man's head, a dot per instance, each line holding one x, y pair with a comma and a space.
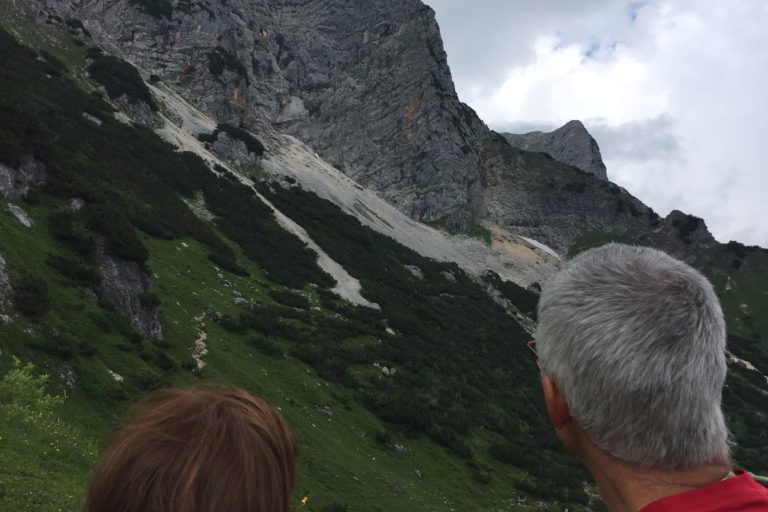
635, 340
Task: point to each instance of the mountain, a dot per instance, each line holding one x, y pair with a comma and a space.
370, 91
288, 196
570, 144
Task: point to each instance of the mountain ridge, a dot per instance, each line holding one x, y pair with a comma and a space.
374, 98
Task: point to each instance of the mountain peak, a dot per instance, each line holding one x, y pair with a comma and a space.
570, 144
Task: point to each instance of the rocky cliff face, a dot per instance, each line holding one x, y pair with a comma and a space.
368, 88
126, 287
16, 183
571, 144
539, 197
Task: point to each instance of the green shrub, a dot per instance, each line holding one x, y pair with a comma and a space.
31, 296
150, 300
383, 437
155, 8
253, 145
67, 227
220, 59
63, 344
74, 24
266, 345
21, 134
685, 226
525, 300
577, 187
290, 299
21, 390
335, 507
226, 259
120, 78
120, 236
76, 270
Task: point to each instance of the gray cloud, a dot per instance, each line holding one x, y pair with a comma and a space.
672, 90
524, 126
639, 141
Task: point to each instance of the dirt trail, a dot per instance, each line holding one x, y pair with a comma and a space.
200, 348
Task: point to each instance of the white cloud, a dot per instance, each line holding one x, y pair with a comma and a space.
673, 91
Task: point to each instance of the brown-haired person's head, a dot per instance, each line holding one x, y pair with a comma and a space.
197, 450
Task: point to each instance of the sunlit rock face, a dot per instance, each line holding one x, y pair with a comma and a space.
367, 86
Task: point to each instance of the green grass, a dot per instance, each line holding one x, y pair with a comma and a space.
595, 238
473, 231
745, 286
44, 461
340, 459
55, 40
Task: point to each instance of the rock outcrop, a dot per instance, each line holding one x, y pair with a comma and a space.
15, 184
538, 197
126, 286
678, 233
139, 112
570, 144
6, 290
234, 150
20, 215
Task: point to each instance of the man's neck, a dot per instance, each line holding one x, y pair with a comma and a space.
626, 488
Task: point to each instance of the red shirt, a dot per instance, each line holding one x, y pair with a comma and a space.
739, 493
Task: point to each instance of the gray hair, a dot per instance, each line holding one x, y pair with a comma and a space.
635, 340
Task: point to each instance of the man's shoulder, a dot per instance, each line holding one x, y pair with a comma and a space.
742, 492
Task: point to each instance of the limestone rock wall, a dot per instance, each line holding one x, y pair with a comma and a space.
368, 87
541, 198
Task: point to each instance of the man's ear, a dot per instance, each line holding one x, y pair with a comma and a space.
557, 407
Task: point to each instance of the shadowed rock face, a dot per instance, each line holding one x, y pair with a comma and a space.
123, 284
571, 144
16, 183
532, 194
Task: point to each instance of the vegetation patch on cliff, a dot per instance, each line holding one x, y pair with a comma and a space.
220, 59
120, 78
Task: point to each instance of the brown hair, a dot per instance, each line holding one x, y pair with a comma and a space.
197, 450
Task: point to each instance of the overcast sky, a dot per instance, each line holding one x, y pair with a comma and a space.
675, 92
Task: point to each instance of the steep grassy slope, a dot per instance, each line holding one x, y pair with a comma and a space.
458, 396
